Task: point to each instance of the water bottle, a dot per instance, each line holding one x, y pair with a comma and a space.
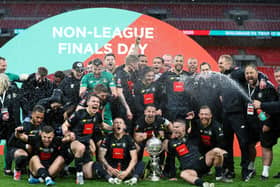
261, 115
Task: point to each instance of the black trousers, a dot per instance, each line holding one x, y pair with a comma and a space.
235, 123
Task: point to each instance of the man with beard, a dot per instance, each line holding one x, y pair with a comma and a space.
149, 125
273, 107
211, 136
86, 125
20, 151
233, 116
110, 62
119, 156
70, 85
192, 65
98, 76
143, 61
175, 99
259, 130
46, 161
157, 67
192, 163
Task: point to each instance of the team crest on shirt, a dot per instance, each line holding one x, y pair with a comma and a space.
72, 86
124, 144
260, 95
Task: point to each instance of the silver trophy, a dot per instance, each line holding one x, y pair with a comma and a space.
153, 147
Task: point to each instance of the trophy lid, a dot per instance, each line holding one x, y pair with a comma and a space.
153, 146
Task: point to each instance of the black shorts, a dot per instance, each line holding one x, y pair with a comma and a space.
47, 163
199, 165
66, 153
269, 139
12, 150
254, 130
87, 156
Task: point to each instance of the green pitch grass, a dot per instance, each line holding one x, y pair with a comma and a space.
7, 181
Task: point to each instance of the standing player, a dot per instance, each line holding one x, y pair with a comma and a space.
175, 99
146, 92
126, 76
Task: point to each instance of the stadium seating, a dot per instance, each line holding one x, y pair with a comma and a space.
184, 16
270, 56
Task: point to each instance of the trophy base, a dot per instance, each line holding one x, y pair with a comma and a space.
154, 178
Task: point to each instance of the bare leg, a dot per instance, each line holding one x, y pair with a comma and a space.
56, 166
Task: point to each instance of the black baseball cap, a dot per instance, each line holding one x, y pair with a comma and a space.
78, 66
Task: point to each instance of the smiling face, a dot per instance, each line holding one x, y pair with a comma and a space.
37, 118
178, 63
205, 116
251, 75
149, 77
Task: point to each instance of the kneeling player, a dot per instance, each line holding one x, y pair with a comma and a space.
119, 156
46, 161
20, 150
192, 163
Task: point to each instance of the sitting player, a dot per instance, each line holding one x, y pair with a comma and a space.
119, 156
192, 163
